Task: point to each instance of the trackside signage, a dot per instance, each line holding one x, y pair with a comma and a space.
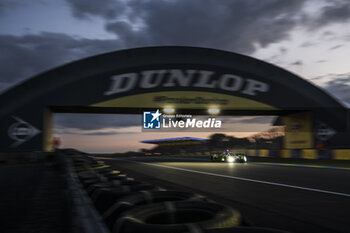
168, 122
185, 78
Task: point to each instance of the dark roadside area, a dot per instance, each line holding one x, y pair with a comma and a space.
33, 197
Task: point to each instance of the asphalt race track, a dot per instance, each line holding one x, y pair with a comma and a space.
298, 199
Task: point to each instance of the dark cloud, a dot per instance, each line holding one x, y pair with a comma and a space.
128, 36
283, 50
8, 4
337, 11
297, 63
346, 38
316, 78
237, 26
338, 86
225, 25
24, 56
234, 25
108, 9
334, 36
96, 121
307, 44
336, 47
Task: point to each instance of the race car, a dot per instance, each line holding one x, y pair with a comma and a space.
230, 157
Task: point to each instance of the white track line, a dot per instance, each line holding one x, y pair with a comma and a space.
241, 178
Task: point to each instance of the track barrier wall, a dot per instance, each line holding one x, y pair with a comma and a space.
330, 154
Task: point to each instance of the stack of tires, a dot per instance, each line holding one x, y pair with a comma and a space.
129, 206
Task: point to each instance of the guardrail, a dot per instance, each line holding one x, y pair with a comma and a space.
335, 154
87, 218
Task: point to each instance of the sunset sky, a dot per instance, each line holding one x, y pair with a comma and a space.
307, 37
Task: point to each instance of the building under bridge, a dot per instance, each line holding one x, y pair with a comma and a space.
179, 145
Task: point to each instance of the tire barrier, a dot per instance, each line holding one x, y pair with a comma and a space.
85, 217
105, 197
111, 183
174, 217
87, 182
241, 230
144, 198
127, 205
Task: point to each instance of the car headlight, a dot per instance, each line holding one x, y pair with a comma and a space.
230, 159
245, 158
